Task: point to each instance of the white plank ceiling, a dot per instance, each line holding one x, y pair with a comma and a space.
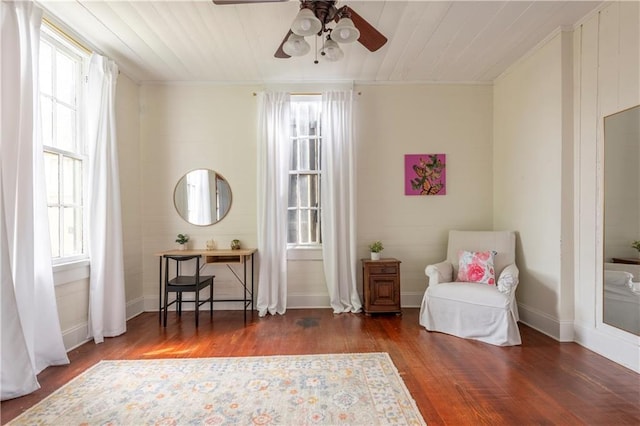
429, 41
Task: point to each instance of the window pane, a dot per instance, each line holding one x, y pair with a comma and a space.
65, 78
293, 190
72, 181
45, 68
47, 120
72, 233
293, 164
51, 176
305, 227
65, 128
54, 230
303, 181
292, 234
304, 154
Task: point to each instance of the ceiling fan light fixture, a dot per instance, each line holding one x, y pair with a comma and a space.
345, 31
296, 46
331, 51
306, 23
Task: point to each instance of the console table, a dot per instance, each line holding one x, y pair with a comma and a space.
224, 257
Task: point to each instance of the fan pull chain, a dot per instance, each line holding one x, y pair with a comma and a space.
315, 48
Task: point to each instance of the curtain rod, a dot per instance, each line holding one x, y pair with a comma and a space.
66, 36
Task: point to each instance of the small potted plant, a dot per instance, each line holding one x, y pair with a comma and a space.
375, 248
636, 245
182, 239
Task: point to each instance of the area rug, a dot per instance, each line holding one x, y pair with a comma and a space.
331, 389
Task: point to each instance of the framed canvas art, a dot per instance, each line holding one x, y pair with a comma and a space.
425, 174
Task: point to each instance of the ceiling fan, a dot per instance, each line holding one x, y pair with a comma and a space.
314, 19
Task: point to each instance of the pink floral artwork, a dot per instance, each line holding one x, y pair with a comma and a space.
425, 174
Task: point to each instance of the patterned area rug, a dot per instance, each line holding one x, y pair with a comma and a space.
333, 389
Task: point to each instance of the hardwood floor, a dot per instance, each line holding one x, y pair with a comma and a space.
453, 381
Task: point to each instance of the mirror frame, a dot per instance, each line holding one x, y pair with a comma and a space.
218, 177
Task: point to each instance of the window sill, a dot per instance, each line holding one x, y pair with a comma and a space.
65, 273
304, 253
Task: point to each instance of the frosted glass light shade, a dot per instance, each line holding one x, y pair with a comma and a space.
345, 31
296, 46
306, 23
332, 51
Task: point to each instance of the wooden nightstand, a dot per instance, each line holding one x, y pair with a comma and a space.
381, 286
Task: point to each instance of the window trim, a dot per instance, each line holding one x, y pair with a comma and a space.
298, 249
50, 35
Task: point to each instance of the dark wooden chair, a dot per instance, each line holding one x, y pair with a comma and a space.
180, 284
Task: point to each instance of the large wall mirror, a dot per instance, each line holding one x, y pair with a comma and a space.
622, 220
202, 197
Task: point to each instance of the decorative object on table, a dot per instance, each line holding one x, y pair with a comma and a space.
425, 174
375, 248
636, 245
211, 245
235, 244
360, 388
182, 240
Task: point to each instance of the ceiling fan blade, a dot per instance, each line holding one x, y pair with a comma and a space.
370, 38
224, 2
280, 53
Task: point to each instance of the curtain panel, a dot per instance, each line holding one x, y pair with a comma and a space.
107, 302
31, 335
273, 179
339, 201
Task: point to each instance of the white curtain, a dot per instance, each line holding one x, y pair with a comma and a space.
339, 201
31, 335
273, 175
107, 306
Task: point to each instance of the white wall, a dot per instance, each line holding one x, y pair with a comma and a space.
532, 181
607, 78
191, 126
394, 120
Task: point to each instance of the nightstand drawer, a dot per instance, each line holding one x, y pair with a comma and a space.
383, 269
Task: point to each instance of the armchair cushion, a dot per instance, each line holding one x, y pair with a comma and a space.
476, 267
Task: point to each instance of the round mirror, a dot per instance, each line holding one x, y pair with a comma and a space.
202, 197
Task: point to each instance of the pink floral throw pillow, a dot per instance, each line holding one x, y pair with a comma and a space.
476, 267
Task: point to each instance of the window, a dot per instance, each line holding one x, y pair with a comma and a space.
64, 152
304, 172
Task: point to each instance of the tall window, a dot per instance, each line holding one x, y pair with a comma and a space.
304, 172
64, 154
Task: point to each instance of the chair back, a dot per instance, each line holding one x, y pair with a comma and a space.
179, 259
503, 242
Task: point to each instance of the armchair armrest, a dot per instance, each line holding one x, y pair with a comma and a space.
508, 280
439, 273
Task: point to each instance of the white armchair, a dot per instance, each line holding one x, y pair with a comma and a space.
484, 312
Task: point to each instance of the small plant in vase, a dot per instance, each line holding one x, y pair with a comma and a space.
375, 248
636, 245
182, 239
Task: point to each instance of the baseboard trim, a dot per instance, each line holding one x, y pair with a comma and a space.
135, 307
624, 350
75, 336
294, 301
562, 331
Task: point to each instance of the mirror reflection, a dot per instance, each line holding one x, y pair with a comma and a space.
202, 197
622, 220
